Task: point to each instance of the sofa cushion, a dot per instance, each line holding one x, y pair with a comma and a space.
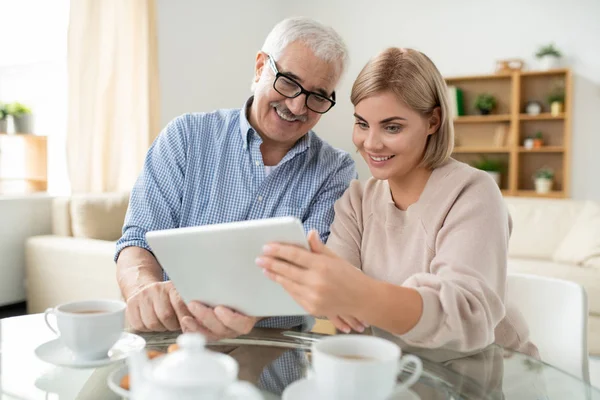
98, 216
588, 277
582, 243
540, 225
61, 216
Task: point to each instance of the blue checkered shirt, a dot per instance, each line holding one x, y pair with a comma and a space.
207, 168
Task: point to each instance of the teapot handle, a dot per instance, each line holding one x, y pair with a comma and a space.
242, 390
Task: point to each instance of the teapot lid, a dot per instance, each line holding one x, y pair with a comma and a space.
190, 365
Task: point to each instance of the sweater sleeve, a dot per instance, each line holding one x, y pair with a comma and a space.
346, 231
463, 292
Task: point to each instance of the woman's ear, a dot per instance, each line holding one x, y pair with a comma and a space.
259, 65
435, 120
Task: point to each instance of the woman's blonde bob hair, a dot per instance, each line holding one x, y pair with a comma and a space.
413, 77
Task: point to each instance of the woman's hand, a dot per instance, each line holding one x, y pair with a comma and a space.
320, 281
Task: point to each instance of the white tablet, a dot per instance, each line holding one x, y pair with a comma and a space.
215, 264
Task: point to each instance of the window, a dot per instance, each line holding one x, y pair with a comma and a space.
33, 71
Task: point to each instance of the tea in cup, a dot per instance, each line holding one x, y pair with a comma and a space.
360, 367
88, 328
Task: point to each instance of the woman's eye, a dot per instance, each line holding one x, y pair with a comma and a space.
362, 125
393, 128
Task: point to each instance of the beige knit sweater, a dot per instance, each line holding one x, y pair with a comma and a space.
451, 246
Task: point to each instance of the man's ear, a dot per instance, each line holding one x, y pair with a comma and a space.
435, 120
259, 65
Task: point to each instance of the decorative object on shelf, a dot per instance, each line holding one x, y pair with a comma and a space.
500, 134
485, 103
455, 97
548, 57
528, 143
22, 119
3, 119
538, 140
492, 167
509, 65
543, 179
556, 100
533, 107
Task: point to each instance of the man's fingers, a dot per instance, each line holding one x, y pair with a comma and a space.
189, 324
132, 315
178, 304
150, 319
207, 317
237, 322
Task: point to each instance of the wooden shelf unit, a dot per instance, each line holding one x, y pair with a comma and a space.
23, 163
477, 135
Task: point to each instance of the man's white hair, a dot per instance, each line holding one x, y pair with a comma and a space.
324, 42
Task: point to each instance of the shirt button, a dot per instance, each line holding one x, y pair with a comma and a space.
260, 198
257, 163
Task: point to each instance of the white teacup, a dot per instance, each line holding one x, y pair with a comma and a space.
89, 328
360, 367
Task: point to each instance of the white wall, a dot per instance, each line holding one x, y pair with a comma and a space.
200, 43
207, 51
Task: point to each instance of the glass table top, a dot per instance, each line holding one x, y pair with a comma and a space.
272, 360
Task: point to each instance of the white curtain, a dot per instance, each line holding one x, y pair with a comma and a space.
113, 92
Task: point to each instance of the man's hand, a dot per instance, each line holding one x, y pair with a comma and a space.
218, 323
157, 307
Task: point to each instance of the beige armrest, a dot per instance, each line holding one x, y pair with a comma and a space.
62, 269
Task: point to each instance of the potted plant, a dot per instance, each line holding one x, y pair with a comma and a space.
543, 179
492, 167
21, 115
538, 140
556, 99
548, 56
528, 142
3, 115
485, 103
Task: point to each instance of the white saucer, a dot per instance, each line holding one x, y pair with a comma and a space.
114, 381
54, 352
305, 389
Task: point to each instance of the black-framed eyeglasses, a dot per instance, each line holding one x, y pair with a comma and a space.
288, 87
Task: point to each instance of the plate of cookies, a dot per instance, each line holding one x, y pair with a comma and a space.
118, 380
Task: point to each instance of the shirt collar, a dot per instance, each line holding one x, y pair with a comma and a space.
246, 129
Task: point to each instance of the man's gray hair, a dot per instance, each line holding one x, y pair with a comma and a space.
324, 42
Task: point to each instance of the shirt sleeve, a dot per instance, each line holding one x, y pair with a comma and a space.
321, 211
346, 231
464, 291
155, 201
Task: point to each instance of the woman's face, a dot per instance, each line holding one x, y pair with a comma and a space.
391, 136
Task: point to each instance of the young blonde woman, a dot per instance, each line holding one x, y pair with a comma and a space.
420, 250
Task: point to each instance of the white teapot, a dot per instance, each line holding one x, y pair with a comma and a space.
191, 372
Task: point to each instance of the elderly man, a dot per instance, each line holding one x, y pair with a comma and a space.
260, 161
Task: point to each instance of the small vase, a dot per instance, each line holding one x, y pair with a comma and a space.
528, 143
484, 112
538, 143
23, 124
556, 108
543, 185
3, 125
548, 62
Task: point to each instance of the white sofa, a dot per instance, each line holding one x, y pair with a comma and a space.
20, 218
559, 238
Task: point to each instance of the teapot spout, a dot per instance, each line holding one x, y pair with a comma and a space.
137, 361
